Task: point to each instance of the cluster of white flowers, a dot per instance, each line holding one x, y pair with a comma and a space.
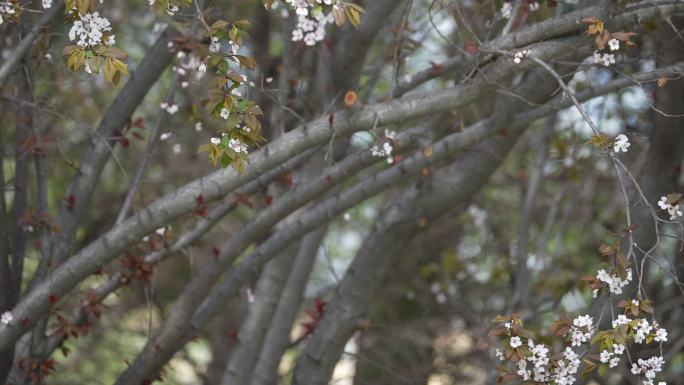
535, 367
533, 6
621, 320
567, 368
47, 4
673, 210
6, 318
612, 358
582, 329
225, 113
660, 333
385, 150
507, 10
170, 108
642, 331
233, 144
621, 143
605, 59
6, 10
237, 146
519, 56
301, 7
615, 284
310, 29
90, 29
648, 368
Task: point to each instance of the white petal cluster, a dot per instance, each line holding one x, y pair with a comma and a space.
6, 318
520, 55
612, 358
310, 29
642, 331
385, 149
225, 113
621, 143
673, 210
237, 146
582, 330
170, 108
47, 4
536, 367
89, 30
615, 283
516, 342
605, 59
507, 10
614, 44
660, 335
648, 368
621, 320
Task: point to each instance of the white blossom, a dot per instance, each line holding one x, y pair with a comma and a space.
520, 55
648, 368
605, 59
621, 320
507, 10
660, 335
673, 210
615, 361
6, 318
311, 29
215, 141
225, 113
614, 44
165, 136
237, 146
47, 4
170, 108
605, 356
614, 282
621, 143
642, 331
198, 126
89, 30
516, 342
582, 330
